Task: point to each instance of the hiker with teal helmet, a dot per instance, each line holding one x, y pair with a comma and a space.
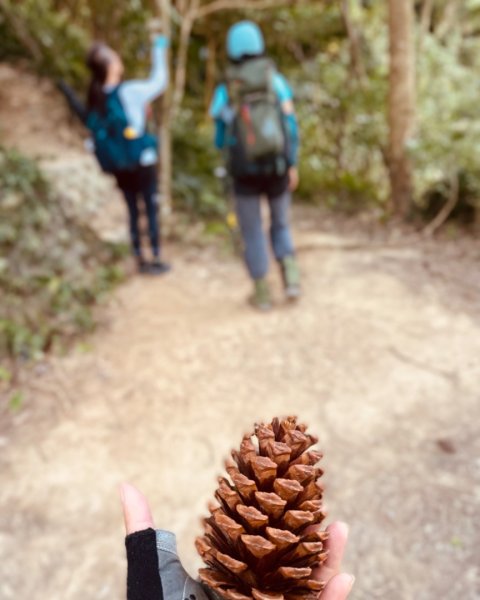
117, 117
256, 127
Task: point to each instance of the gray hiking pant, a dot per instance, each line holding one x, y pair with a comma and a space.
249, 217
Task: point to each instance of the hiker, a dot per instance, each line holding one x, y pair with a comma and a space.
116, 114
256, 127
155, 571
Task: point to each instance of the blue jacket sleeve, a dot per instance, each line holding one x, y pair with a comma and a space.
220, 131
285, 94
218, 107
291, 127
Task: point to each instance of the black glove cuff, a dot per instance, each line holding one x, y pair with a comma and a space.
143, 577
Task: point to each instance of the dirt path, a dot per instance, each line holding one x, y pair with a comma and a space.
381, 358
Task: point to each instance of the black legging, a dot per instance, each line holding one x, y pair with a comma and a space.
141, 182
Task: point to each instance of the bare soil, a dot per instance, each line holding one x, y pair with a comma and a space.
381, 358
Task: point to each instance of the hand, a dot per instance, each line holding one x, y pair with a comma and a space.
155, 26
293, 178
339, 584
141, 575
154, 569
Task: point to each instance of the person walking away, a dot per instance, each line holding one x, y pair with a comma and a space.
116, 115
256, 127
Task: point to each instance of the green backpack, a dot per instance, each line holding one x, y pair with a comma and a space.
257, 140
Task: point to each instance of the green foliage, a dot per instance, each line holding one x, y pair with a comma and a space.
449, 128
342, 116
33, 29
5, 375
16, 401
54, 35
196, 189
52, 270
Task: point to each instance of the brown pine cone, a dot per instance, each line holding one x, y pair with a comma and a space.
258, 541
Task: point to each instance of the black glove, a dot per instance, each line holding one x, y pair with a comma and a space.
155, 571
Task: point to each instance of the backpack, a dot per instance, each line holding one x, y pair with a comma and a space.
258, 141
117, 148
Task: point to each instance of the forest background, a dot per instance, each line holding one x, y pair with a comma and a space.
387, 99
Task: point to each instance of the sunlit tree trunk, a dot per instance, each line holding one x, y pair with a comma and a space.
401, 102
211, 72
355, 42
165, 133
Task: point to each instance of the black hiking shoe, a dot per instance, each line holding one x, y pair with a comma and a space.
157, 267
142, 266
291, 278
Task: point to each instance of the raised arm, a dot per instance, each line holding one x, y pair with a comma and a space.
146, 90
138, 93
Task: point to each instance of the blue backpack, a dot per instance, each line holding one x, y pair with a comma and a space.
117, 148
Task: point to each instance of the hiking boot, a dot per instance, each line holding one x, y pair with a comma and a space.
261, 297
157, 267
291, 277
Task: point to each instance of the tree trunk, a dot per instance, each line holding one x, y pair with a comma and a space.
426, 16
449, 20
181, 59
165, 132
401, 102
355, 43
21, 31
211, 72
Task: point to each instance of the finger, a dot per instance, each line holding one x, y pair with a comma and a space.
136, 511
337, 540
339, 587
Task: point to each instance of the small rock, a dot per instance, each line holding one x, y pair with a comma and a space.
447, 446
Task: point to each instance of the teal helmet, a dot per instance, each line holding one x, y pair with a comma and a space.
245, 39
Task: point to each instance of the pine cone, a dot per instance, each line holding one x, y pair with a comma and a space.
257, 541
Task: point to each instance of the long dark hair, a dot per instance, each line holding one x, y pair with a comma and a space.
98, 60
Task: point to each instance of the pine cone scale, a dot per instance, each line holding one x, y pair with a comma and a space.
257, 542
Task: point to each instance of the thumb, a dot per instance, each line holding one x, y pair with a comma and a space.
338, 587
136, 511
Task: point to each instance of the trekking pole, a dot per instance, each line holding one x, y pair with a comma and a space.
231, 222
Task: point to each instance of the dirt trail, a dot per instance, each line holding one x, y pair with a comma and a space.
381, 358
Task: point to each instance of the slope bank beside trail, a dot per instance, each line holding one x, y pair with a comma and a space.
35, 120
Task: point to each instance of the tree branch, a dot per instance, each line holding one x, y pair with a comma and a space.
448, 207
219, 5
21, 31
356, 62
182, 56
426, 16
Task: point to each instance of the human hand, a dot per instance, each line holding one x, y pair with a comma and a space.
339, 584
155, 26
154, 569
293, 178
153, 563
155, 29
